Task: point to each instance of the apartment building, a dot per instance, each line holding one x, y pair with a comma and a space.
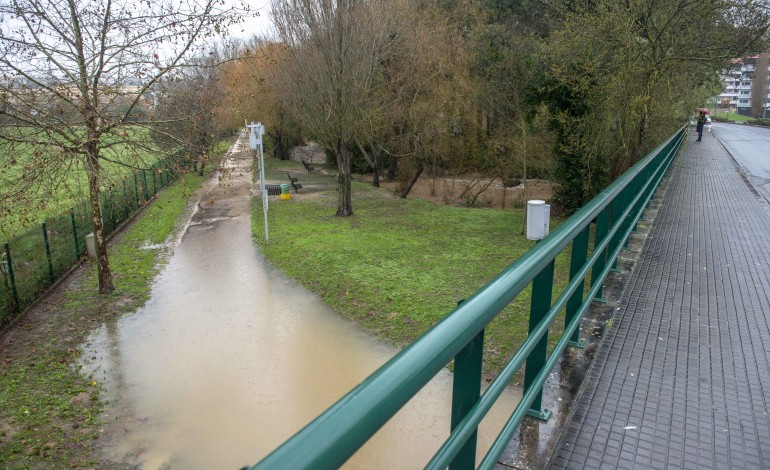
736, 97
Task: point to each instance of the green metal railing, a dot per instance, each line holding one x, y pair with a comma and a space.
329, 440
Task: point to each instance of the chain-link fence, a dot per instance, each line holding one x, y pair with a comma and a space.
35, 259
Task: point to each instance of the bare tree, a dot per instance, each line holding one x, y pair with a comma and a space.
429, 80
76, 79
336, 47
759, 84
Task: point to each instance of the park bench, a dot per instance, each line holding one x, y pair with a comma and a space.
294, 183
307, 167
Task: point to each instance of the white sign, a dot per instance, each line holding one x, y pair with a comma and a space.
256, 130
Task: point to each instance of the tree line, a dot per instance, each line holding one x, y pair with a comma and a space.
575, 91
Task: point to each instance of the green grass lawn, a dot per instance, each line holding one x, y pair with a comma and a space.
55, 194
397, 266
733, 117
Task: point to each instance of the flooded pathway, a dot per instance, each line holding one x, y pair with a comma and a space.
229, 357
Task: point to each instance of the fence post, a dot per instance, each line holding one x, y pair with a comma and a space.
144, 180
136, 191
75, 234
579, 255
602, 227
542, 293
125, 201
48, 251
112, 210
15, 293
466, 390
154, 188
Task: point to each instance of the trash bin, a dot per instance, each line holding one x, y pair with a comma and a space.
285, 192
91, 245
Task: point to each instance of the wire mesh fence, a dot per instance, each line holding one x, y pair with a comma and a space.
32, 261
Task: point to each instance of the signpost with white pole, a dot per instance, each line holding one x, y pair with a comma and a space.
256, 131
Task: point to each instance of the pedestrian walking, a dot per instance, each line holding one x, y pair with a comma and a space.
699, 125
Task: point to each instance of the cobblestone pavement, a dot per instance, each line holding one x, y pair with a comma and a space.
682, 379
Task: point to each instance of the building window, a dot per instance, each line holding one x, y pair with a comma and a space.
745, 92
744, 101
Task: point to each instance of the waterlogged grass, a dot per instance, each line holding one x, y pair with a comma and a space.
48, 411
398, 266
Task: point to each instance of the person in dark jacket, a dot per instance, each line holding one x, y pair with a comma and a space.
699, 125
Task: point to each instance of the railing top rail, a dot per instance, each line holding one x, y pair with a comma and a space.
335, 435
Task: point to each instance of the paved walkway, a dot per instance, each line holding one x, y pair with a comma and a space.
683, 377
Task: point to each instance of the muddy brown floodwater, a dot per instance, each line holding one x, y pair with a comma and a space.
229, 357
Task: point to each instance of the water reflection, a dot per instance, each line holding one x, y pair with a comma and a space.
229, 358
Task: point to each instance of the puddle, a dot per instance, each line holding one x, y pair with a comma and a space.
229, 358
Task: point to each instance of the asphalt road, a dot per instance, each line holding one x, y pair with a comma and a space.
750, 146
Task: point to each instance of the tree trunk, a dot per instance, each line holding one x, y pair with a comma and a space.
102, 261
344, 201
372, 161
405, 192
376, 166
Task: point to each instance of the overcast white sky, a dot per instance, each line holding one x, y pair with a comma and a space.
260, 25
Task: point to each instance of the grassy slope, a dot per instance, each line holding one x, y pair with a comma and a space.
47, 409
398, 266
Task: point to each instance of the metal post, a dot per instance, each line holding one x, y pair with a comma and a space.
259, 130
144, 180
112, 210
154, 188
136, 191
75, 234
617, 210
542, 293
125, 201
9, 262
466, 390
48, 251
602, 227
579, 255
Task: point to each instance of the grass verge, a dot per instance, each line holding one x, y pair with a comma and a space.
48, 410
732, 117
397, 266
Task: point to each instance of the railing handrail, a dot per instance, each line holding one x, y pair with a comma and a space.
335, 435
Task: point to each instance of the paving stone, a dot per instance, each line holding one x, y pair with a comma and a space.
693, 328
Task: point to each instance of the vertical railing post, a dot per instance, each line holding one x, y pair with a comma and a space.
154, 187
9, 264
602, 228
617, 209
542, 293
466, 390
639, 182
48, 251
629, 194
578, 259
75, 234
